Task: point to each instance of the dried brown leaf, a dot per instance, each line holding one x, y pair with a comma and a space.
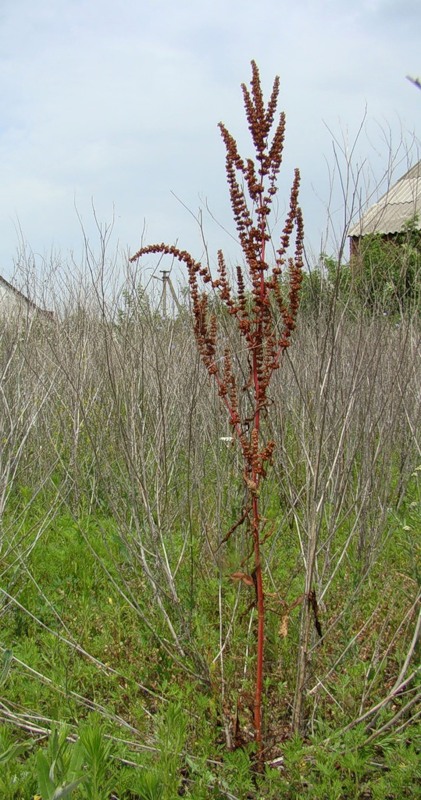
242, 576
283, 628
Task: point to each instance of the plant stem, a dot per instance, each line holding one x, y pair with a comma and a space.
260, 627
256, 523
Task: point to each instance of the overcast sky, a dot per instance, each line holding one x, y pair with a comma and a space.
116, 104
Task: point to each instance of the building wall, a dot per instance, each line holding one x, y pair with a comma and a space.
13, 304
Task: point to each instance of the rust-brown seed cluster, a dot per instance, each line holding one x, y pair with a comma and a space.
258, 308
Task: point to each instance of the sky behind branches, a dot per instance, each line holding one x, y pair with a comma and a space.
114, 107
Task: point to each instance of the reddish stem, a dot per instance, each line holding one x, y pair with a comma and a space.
260, 629
256, 532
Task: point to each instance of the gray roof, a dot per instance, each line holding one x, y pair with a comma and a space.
401, 203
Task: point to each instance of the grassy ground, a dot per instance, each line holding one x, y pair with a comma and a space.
126, 640
82, 656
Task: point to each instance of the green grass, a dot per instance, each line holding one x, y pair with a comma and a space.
71, 598
89, 653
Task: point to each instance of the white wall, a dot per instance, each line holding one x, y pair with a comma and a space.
12, 304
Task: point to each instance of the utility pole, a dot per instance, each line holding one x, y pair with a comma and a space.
167, 284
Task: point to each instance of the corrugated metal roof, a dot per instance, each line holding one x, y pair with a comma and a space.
399, 204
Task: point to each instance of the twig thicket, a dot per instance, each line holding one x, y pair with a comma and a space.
264, 307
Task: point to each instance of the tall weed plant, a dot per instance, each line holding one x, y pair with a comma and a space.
265, 316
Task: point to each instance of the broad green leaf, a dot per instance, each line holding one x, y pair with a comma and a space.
64, 791
45, 784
